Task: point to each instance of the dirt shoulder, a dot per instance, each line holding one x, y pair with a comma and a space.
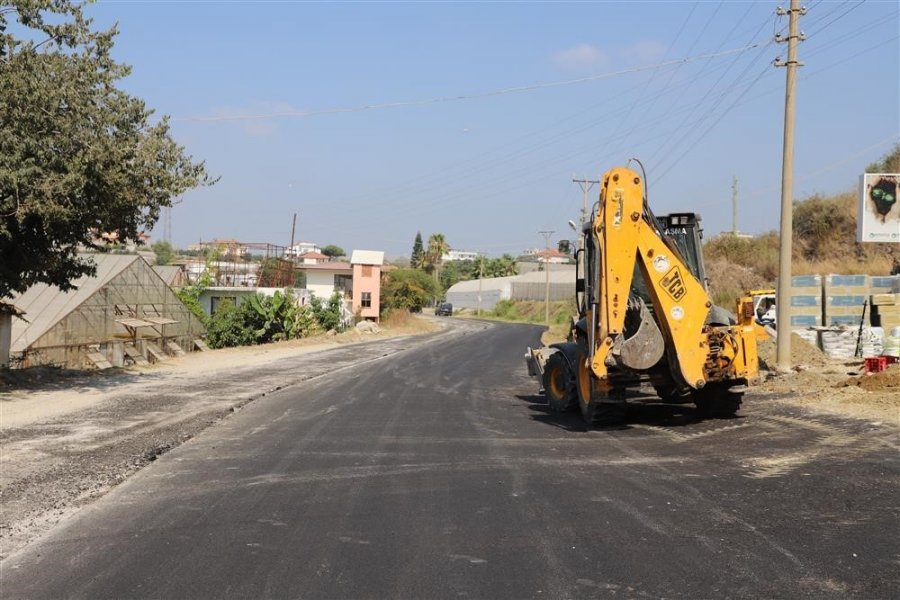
833, 386
67, 439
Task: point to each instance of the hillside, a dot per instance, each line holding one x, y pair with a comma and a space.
824, 242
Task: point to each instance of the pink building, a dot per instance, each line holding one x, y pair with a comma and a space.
366, 298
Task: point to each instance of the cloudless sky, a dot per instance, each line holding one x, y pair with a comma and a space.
490, 172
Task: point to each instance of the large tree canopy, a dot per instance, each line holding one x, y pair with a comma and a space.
78, 156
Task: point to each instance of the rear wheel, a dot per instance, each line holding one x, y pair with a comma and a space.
559, 384
595, 409
717, 402
668, 393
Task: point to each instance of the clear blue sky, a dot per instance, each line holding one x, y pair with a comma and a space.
490, 172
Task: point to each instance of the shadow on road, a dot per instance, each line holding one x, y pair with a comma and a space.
641, 410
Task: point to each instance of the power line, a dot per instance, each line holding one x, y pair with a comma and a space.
479, 95
837, 18
674, 137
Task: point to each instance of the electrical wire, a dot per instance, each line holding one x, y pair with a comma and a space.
837, 18
474, 96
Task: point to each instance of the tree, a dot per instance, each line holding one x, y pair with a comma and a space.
417, 258
409, 289
78, 157
164, 252
332, 251
434, 254
501, 267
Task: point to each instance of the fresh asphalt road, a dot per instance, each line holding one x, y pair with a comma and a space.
437, 473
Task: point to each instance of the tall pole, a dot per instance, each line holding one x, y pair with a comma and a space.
480, 277
734, 227
586, 185
293, 231
547, 235
783, 303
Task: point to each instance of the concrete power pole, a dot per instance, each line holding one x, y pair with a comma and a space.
293, 231
480, 277
586, 185
734, 227
783, 297
547, 235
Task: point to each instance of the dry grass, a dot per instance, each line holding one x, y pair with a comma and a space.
402, 322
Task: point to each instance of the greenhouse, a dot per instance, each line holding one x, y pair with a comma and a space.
124, 314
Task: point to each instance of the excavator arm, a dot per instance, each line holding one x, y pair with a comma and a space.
626, 234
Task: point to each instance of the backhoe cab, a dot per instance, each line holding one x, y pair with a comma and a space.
645, 316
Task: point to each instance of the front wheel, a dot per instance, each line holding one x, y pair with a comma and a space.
559, 384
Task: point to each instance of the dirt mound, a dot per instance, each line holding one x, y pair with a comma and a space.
802, 353
888, 379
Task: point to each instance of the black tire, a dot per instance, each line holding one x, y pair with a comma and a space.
717, 402
595, 410
667, 393
559, 384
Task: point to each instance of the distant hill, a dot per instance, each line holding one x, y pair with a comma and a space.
824, 242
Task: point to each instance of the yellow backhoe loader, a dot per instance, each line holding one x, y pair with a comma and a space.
645, 316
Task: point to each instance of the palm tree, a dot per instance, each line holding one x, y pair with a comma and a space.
437, 248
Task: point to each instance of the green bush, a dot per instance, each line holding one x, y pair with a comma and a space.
328, 314
226, 327
271, 318
409, 289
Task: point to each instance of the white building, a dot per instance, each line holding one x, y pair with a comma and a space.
459, 255
302, 248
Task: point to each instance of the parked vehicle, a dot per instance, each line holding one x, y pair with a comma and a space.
645, 316
444, 310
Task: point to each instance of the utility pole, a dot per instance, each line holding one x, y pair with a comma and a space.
547, 235
783, 294
480, 277
585, 185
734, 227
293, 231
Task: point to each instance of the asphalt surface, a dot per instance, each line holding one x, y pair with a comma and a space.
436, 472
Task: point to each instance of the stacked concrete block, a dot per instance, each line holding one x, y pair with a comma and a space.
886, 310
842, 343
845, 296
806, 301
887, 284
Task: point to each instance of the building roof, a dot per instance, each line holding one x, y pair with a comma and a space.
556, 276
169, 273
314, 254
548, 253
487, 284
328, 266
45, 305
367, 257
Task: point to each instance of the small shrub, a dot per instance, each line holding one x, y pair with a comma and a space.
226, 327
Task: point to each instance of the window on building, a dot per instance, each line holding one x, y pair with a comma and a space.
343, 283
366, 300
367, 271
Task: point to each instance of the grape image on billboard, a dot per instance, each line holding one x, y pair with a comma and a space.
878, 219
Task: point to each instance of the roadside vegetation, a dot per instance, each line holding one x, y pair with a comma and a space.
262, 319
824, 242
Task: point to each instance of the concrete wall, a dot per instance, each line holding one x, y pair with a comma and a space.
320, 283
211, 297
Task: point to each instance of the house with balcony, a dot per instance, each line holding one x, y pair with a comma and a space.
358, 281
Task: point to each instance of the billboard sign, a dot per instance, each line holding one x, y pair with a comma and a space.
878, 218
